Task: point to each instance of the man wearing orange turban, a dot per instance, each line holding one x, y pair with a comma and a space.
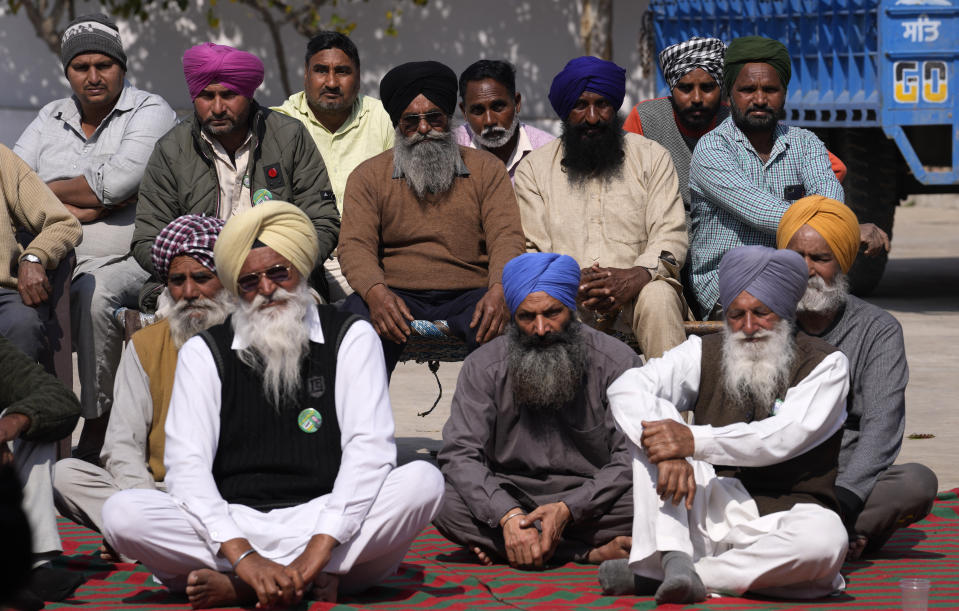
875, 496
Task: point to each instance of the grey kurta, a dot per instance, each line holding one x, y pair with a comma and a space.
489, 441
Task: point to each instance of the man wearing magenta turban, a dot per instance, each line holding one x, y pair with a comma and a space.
230, 155
536, 472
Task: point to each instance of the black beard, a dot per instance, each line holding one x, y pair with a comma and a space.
597, 156
547, 372
748, 124
690, 123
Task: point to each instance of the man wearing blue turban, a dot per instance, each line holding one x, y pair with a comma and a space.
757, 470
536, 472
611, 201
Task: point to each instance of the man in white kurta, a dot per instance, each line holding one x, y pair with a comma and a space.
268, 550
770, 527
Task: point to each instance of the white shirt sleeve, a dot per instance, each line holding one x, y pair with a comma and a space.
658, 390
366, 433
124, 452
192, 434
811, 412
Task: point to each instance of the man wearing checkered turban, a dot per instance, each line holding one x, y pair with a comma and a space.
693, 70
192, 301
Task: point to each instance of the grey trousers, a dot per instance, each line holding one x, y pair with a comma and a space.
22, 324
903, 494
34, 466
457, 523
100, 286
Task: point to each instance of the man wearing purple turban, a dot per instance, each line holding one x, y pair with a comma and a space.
229, 156
757, 470
536, 472
132, 455
611, 201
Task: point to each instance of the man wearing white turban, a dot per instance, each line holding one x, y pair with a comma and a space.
744, 499
280, 458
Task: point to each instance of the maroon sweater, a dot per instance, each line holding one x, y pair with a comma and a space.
456, 240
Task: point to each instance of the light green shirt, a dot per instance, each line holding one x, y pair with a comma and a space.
367, 132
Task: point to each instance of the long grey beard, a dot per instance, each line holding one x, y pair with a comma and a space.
546, 372
496, 137
822, 298
189, 317
756, 374
428, 161
278, 339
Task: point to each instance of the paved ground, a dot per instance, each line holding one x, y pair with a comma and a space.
920, 287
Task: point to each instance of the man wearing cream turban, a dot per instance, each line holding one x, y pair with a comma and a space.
747, 172
757, 470
536, 472
281, 463
875, 497
230, 155
611, 201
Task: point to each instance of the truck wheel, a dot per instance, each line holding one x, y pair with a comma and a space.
872, 163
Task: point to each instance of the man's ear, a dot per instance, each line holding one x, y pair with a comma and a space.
518, 99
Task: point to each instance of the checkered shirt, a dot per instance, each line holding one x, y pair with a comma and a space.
192, 235
737, 200
680, 59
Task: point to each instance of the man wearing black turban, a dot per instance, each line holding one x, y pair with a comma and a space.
428, 225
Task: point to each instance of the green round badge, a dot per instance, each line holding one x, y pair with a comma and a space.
309, 420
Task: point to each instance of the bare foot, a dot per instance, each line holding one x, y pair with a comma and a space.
617, 548
484, 558
108, 554
856, 546
206, 588
324, 587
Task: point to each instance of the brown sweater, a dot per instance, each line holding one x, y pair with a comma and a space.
27, 202
807, 478
460, 240
157, 354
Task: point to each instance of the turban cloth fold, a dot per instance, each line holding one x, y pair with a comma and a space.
211, 63
836, 223
402, 84
556, 275
281, 226
192, 235
587, 74
680, 59
775, 277
756, 49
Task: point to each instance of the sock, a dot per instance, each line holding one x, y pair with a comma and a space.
616, 579
681, 584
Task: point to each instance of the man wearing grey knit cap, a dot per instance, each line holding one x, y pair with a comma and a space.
91, 149
742, 500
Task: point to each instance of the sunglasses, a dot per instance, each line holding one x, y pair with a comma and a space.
409, 123
276, 274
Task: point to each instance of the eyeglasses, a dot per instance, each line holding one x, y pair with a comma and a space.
276, 275
409, 123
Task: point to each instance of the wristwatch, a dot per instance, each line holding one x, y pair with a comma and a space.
31, 258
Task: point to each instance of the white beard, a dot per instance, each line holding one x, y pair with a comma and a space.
428, 161
187, 318
822, 298
277, 339
755, 373
496, 137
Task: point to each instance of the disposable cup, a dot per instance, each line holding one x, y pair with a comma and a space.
915, 594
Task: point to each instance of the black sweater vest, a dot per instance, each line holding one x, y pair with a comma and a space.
263, 458
807, 478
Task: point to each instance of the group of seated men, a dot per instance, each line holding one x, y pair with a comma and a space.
250, 410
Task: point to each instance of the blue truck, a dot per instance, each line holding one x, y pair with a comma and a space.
875, 79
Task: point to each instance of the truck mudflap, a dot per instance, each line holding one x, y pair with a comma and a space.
919, 88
